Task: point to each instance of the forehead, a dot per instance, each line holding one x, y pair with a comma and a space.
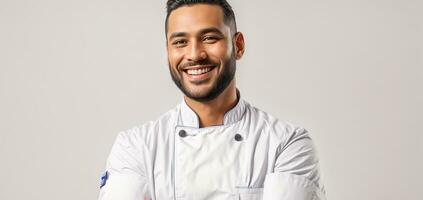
192, 18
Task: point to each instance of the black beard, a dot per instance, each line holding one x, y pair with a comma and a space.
222, 82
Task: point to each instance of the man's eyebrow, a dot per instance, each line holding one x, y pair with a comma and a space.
210, 30
177, 34
201, 32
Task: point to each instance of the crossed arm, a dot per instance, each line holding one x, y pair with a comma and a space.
295, 174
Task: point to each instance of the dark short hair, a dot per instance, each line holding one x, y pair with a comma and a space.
229, 15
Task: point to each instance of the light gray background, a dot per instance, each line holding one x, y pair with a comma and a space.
74, 73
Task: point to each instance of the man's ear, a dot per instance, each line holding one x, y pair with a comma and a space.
239, 45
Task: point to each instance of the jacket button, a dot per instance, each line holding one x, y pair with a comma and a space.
238, 137
182, 133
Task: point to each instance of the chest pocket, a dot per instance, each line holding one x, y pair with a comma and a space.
249, 194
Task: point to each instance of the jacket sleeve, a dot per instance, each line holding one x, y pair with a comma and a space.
124, 177
296, 173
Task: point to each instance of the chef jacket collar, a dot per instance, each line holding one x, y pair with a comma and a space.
189, 118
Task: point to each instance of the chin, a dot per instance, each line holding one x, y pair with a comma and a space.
198, 92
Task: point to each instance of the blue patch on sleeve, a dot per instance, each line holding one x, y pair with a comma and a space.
104, 178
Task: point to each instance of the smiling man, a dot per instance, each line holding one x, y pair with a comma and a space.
214, 144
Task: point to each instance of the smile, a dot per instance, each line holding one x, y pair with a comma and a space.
199, 71
197, 74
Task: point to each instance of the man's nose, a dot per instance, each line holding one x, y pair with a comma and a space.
197, 52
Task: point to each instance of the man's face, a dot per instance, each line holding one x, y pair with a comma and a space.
200, 51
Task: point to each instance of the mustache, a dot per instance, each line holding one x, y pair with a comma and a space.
199, 62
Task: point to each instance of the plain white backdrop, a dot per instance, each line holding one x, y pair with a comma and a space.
75, 73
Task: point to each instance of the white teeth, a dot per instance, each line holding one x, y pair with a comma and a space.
198, 71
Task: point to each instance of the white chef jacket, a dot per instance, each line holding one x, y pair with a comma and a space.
251, 156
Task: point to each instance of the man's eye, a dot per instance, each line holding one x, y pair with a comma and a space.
179, 43
210, 39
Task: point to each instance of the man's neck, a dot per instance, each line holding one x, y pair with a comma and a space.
212, 112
